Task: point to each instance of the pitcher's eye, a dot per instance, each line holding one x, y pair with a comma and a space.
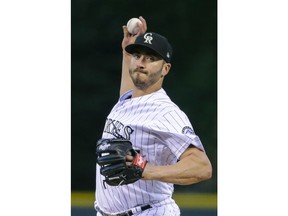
150, 58
136, 55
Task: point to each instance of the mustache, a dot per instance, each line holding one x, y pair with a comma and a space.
140, 71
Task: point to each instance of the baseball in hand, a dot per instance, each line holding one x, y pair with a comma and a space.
132, 25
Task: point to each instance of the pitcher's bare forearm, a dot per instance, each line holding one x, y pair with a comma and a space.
128, 38
126, 82
194, 166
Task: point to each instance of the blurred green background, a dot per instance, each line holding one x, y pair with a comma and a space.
190, 26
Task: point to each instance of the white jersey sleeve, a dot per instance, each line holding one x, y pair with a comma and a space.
175, 130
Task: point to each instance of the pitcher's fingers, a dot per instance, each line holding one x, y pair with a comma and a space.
129, 158
143, 27
128, 163
125, 31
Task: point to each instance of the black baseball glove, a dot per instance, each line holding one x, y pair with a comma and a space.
111, 156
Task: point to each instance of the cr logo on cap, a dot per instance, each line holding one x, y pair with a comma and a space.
148, 38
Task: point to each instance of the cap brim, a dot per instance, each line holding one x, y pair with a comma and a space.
134, 47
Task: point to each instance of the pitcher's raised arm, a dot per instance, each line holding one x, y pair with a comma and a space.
128, 38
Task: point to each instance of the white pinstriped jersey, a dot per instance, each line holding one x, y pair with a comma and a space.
161, 131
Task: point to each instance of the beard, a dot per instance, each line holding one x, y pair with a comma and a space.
142, 79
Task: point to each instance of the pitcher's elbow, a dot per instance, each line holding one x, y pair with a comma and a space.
206, 172
209, 174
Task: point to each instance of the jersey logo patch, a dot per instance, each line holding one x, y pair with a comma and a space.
188, 130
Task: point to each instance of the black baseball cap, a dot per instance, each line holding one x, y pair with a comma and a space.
153, 41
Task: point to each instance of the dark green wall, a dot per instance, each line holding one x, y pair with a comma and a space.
190, 26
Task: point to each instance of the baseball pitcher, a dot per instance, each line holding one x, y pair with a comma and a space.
148, 144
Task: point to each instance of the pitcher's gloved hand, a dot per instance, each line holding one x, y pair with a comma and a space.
112, 158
